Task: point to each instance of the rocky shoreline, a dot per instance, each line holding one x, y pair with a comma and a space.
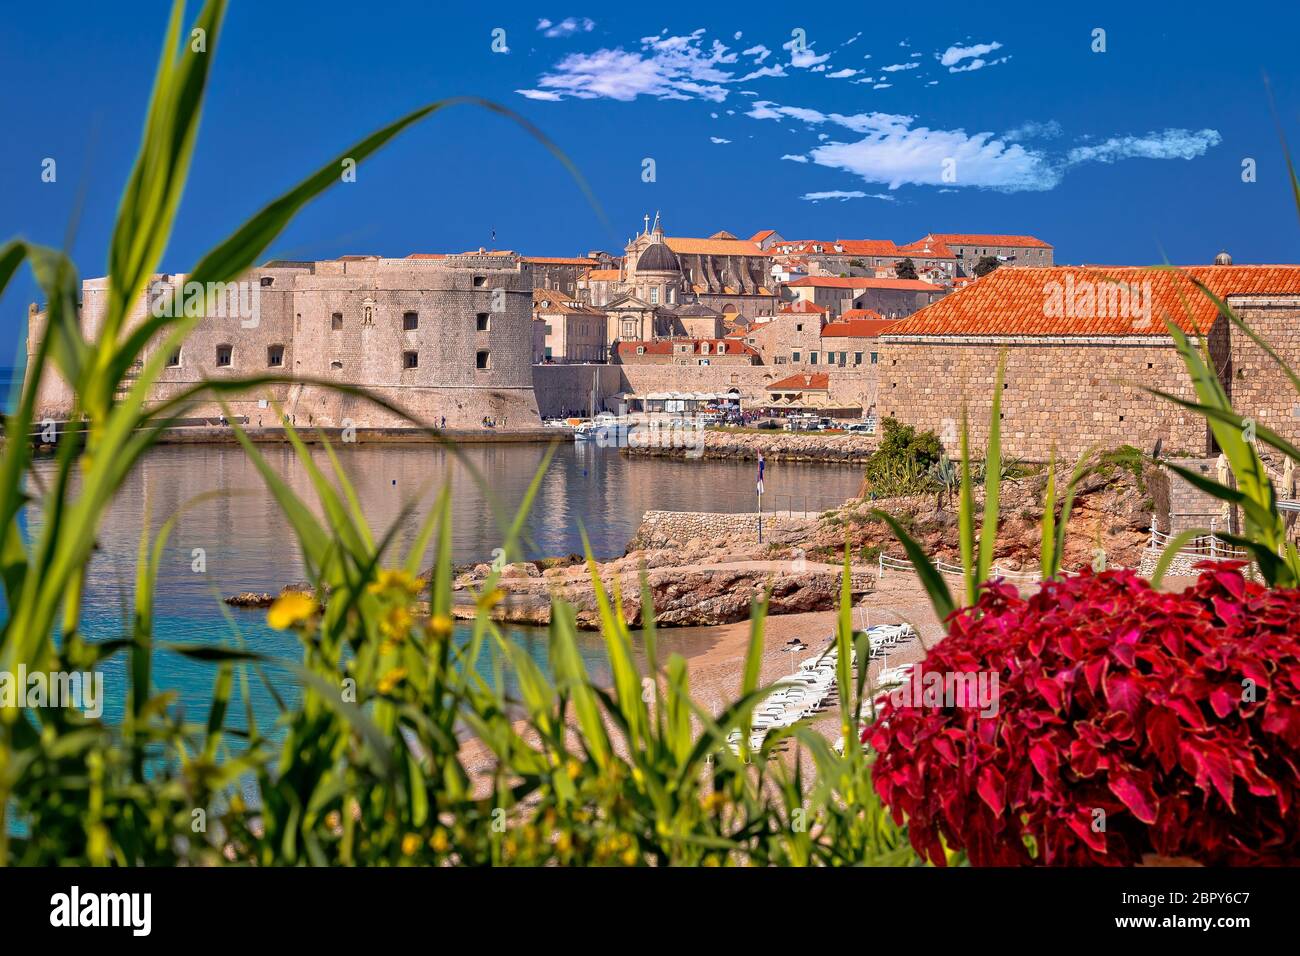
691, 587
843, 449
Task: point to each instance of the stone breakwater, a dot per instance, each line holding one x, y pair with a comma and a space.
775, 446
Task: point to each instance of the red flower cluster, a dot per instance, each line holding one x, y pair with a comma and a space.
1128, 721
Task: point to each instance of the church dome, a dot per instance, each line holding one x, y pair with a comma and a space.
1223, 259
657, 258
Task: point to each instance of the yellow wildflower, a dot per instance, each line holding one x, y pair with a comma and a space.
398, 582
439, 842
440, 626
391, 679
410, 843
490, 599
396, 622
290, 608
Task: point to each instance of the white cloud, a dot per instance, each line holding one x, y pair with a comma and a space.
666, 67
882, 86
955, 54
794, 158
545, 95
802, 56
843, 195
566, 27
759, 51
1168, 144
842, 74
718, 140
977, 64
857, 122
775, 69
924, 157
851, 40
895, 67
1034, 130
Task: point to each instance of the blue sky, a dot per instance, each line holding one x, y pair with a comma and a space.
750, 112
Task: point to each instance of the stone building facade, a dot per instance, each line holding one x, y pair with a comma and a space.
968, 248
570, 331
449, 337
1076, 367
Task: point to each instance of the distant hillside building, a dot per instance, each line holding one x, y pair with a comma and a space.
968, 248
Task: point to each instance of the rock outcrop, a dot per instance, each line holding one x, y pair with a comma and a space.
689, 586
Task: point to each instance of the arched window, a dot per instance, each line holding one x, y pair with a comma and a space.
225, 356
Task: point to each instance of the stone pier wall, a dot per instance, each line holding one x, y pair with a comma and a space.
665, 529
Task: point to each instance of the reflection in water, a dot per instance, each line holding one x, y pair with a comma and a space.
231, 529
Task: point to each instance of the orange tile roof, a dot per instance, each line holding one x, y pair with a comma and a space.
857, 328
551, 303
985, 239
713, 247
816, 382
1039, 301
932, 249
427, 255
868, 247
862, 282
851, 314
763, 234
603, 275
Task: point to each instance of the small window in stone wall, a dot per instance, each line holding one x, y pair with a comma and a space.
268, 280
480, 281
410, 360
175, 360
410, 321
336, 321
482, 322
275, 356
336, 364
482, 359
225, 356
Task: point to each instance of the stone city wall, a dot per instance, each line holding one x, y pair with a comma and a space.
1060, 395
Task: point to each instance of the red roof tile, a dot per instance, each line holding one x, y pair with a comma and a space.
816, 381
868, 247
985, 239
858, 328
1055, 301
929, 249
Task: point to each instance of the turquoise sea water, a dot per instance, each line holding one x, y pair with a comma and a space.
247, 545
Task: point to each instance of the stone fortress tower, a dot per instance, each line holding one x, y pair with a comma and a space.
436, 337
